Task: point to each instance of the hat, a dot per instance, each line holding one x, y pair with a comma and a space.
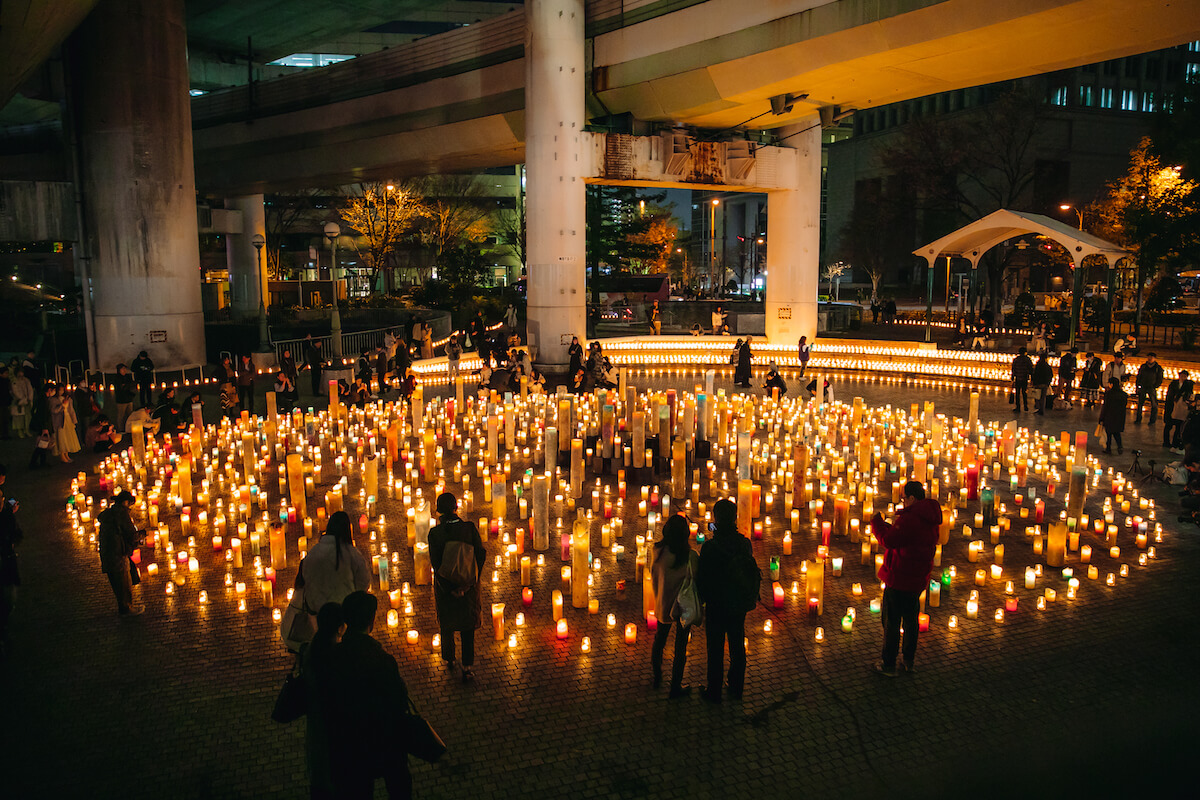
122, 497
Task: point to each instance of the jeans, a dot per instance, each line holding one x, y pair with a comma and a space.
468, 646
1147, 396
718, 627
899, 607
1112, 436
679, 660
1020, 395
146, 394
122, 586
246, 397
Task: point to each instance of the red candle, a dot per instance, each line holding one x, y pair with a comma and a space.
362, 521
814, 606
922, 622
651, 621
1039, 510
137, 556
561, 628
826, 527
972, 481
527, 597
566, 546
1010, 604
777, 590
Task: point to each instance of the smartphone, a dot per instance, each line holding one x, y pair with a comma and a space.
712, 527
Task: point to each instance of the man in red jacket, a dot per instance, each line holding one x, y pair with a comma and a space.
910, 543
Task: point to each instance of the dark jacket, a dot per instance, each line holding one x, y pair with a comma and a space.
124, 389
462, 612
1174, 389
118, 537
1022, 368
245, 373
742, 373
910, 542
1112, 413
575, 351
1149, 376
10, 537
1091, 374
713, 579
1066, 367
367, 698
1043, 373
143, 369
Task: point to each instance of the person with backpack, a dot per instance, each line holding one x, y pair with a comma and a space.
728, 579
909, 542
457, 555
672, 572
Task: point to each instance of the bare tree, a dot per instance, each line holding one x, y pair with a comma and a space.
456, 209
383, 214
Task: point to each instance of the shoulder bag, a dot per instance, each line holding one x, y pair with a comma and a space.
420, 739
292, 702
687, 608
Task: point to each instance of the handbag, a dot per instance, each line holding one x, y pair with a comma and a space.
1099, 429
135, 577
687, 608
420, 739
292, 702
296, 625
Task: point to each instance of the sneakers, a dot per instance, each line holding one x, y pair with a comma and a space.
468, 675
885, 671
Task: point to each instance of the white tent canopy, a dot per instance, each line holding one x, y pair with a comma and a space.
972, 241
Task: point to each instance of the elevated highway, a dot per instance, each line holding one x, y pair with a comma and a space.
456, 101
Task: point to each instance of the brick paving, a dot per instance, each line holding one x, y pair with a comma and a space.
1095, 695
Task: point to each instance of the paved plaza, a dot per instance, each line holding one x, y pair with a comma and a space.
1094, 696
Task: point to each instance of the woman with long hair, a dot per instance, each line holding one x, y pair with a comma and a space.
674, 560
334, 567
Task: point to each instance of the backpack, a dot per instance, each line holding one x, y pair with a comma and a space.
745, 580
459, 568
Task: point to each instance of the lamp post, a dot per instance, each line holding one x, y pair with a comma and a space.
1076, 300
332, 231
712, 241
258, 240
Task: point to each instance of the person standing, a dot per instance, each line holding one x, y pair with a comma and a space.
382, 369
674, 560
245, 383
476, 328
805, 351
33, 371
1176, 389
287, 365
909, 543
118, 538
510, 319
1112, 415
575, 352
1149, 378
6, 402
167, 412
124, 393
728, 580
314, 358
1066, 375
457, 555
1043, 376
334, 567
1089, 384
316, 668
58, 421
655, 316
10, 576
367, 700
1115, 369
453, 356
68, 434
22, 404
143, 374
1022, 370
741, 374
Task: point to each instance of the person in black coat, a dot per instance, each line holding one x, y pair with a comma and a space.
1043, 376
1112, 414
741, 374
724, 617
575, 352
458, 607
367, 700
125, 393
314, 357
143, 373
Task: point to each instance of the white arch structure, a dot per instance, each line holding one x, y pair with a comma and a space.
973, 240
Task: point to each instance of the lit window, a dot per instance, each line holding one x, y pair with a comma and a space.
1085, 96
196, 92
1128, 100
1058, 96
310, 60
1148, 101
1106, 98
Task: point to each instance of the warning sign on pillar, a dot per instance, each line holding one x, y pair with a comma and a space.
784, 312
157, 337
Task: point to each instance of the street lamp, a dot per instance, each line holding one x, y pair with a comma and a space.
332, 231
258, 240
1076, 300
712, 239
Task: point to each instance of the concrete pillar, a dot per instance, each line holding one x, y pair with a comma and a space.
555, 199
245, 278
794, 238
130, 75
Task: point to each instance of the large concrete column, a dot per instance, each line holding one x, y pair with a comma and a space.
246, 283
139, 189
555, 200
794, 238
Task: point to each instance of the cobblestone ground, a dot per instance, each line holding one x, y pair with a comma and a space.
1095, 696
